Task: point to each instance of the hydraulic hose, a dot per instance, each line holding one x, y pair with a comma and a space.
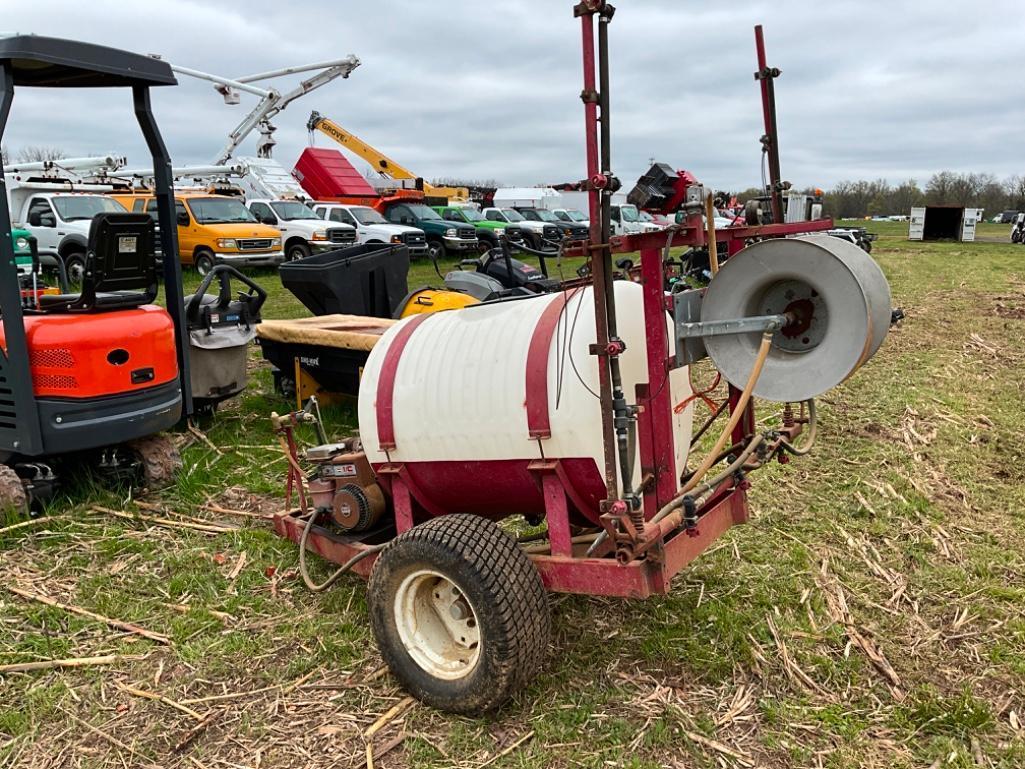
699, 491
735, 417
545, 547
812, 430
708, 423
304, 570
712, 483
737, 464
516, 246
713, 245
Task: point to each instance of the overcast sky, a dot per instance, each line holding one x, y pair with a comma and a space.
490, 90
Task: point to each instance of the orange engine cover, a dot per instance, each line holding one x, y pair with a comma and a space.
106, 353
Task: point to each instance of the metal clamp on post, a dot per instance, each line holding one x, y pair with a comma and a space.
609, 182
588, 7
619, 519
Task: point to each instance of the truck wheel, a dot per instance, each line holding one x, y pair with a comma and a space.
286, 386
160, 460
297, 250
74, 266
13, 499
484, 246
459, 613
536, 241
204, 261
435, 250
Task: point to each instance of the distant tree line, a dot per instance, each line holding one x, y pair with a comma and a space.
31, 154
458, 181
856, 199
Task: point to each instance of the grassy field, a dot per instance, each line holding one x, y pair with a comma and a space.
870, 615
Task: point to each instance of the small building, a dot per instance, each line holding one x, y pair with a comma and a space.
943, 223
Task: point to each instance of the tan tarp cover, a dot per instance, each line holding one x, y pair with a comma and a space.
348, 332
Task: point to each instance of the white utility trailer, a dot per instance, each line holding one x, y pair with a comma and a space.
943, 223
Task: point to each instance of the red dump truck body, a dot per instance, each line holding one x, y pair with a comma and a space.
327, 174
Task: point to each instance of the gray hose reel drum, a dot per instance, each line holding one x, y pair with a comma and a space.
837, 295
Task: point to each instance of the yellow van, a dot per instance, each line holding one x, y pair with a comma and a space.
215, 228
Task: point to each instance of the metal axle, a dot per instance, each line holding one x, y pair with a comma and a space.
732, 326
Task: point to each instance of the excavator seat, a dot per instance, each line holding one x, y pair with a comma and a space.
120, 267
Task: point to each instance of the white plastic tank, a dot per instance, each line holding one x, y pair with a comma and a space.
459, 402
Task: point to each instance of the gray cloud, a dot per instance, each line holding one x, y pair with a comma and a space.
490, 90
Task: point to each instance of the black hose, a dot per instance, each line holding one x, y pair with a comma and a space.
704, 428
434, 260
624, 423
517, 246
810, 440
304, 570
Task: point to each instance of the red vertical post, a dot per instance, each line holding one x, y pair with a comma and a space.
403, 504
597, 252
770, 142
557, 515
658, 407
591, 125
746, 426
760, 52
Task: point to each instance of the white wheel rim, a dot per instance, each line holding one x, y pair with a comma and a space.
437, 625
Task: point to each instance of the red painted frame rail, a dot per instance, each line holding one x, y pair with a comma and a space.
568, 572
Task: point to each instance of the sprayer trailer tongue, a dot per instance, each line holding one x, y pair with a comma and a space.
575, 411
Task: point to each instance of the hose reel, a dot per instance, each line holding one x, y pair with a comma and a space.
826, 300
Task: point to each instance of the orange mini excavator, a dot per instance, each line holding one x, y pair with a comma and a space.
92, 377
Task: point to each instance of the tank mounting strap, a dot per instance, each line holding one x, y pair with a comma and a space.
386, 382
538, 423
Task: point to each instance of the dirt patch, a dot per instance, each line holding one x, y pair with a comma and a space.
1011, 306
242, 500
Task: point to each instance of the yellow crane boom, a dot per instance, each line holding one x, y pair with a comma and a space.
377, 159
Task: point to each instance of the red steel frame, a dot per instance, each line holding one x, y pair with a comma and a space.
566, 568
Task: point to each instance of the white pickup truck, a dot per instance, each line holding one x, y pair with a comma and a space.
571, 216
59, 218
626, 220
371, 227
303, 232
536, 231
